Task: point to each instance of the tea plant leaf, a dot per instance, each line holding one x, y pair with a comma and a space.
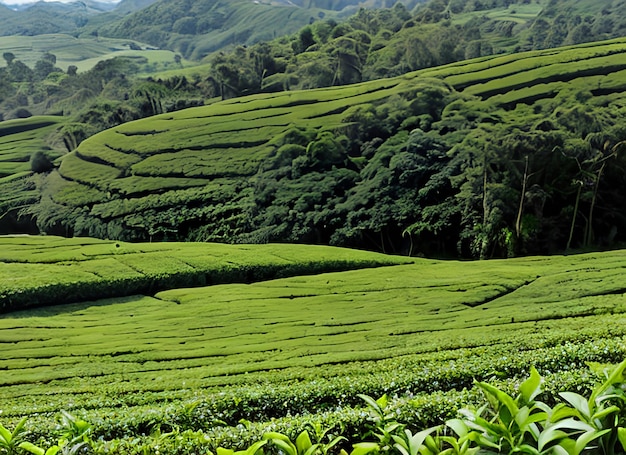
617, 375
562, 411
476, 422
584, 439
483, 441
254, 448
5, 436
605, 412
458, 426
556, 431
550, 435
363, 448
501, 397
383, 401
376, 406
304, 445
527, 448
282, 442
430, 446
558, 450
531, 387
411, 444
10, 440
578, 402
336, 440
621, 436
36, 450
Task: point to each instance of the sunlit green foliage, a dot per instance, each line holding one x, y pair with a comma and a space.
295, 351
49, 270
477, 159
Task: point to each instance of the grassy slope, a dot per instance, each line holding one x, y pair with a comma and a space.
83, 52
19, 139
186, 342
221, 23
53, 270
162, 164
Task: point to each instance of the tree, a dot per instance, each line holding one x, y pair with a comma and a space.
603, 152
306, 39
42, 69
8, 57
151, 96
39, 162
19, 72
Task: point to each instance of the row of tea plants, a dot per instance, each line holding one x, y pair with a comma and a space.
524, 420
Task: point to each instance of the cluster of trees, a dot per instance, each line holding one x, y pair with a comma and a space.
438, 173
388, 42
369, 45
107, 95
431, 171
197, 28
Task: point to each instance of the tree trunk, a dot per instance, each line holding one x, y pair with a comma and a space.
571, 230
520, 209
589, 238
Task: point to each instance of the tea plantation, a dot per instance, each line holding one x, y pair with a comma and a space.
321, 166
167, 368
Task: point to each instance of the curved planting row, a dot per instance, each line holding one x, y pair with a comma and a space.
425, 394
204, 358
39, 271
195, 174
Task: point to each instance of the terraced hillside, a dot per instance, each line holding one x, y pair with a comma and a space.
20, 139
40, 271
82, 52
294, 351
253, 169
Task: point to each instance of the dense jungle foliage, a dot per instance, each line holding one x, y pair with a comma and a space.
532, 163
477, 159
384, 43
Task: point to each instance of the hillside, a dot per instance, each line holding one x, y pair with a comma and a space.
82, 52
190, 28
41, 271
480, 158
293, 352
49, 17
196, 28
381, 43
21, 140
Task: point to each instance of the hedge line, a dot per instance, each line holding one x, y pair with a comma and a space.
426, 393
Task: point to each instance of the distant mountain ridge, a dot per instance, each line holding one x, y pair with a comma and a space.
192, 28
129, 6
49, 17
197, 28
94, 5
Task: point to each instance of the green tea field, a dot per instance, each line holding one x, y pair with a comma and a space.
21, 139
82, 52
286, 353
236, 170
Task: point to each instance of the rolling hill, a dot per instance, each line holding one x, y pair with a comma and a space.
324, 165
20, 139
196, 28
84, 53
46, 271
292, 352
190, 28
49, 17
